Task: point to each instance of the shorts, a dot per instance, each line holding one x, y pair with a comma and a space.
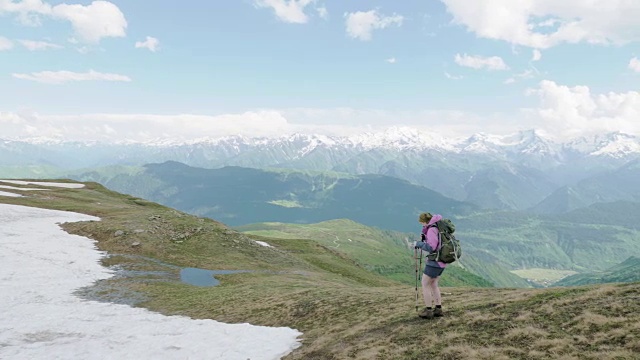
433, 272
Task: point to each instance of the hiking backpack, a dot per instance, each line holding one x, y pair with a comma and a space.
449, 248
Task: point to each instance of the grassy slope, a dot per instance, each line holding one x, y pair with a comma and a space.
344, 310
384, 252
522, 240
490, 267
627, 271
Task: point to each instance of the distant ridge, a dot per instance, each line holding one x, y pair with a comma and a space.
627, 271
239, 196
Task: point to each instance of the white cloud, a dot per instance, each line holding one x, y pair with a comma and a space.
28, 11
95, 21
479, 62
5, 44
360, 25
565, 110
634, 64
391, 60
527, 74
38, 45
323, 12
87, 49
543, 24
537, 55
290, 11
453, 77
91, 23
150, 43
60, 77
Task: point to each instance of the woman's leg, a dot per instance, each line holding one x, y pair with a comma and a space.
426, 291
435, 290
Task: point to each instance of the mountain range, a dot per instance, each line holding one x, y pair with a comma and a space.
522, 171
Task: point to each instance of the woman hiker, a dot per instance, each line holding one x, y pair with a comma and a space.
432, 269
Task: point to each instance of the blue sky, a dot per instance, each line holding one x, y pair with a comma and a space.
491, 65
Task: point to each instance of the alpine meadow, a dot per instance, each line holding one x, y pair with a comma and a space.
320, 180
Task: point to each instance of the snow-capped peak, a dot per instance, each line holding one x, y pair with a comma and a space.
402, 138
618, 146
529, 142
614, 144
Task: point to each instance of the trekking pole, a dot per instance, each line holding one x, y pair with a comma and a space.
420, 267
415, 257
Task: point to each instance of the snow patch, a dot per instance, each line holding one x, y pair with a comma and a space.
17, 188
263, 244
4, 193
42, 183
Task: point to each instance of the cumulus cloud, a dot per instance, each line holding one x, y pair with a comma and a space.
150, 43
542, 24
95, 21
479, 62
5, 44
634, 64
290, 11
360, 25
32, 45
391, 60
91, 23
60, 77
565, 110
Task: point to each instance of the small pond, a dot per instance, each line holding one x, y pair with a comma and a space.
144, 270
202, 277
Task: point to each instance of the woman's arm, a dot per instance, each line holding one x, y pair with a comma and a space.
432, 238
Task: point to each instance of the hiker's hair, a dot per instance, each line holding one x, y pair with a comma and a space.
425, 217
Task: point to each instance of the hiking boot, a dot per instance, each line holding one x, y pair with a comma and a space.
437, 312
426, 313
